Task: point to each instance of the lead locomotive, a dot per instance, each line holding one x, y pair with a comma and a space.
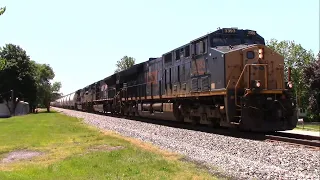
225, 78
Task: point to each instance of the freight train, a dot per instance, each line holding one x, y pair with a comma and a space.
226, 78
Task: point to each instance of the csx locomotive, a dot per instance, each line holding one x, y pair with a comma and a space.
226, 78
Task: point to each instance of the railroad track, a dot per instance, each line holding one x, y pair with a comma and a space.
295, 139
298, 139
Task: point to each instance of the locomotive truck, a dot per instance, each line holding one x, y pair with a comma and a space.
226, 78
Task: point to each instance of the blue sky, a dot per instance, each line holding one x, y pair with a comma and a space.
82, 40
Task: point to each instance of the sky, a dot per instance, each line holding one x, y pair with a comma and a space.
83, 40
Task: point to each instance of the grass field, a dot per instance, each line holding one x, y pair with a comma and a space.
309, 127
72, 150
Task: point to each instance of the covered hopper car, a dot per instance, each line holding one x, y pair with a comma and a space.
226, 78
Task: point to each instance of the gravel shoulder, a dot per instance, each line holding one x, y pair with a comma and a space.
233, 157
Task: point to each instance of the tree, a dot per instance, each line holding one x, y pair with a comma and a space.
2, 61
2, 10
124, 63
56, 86
30, 81
46, 91
312, 81
17, 75
297, 58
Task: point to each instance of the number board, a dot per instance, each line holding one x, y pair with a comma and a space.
229, 30
252, 33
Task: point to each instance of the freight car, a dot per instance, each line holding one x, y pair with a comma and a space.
226, 78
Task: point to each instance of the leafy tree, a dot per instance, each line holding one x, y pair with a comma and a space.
2, 61
297, 58
312, 81
30, 81
124, 63
2, 10
53, 94
45, 90
56, 86
18, 75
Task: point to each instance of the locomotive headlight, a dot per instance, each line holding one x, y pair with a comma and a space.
260, 53
255, 84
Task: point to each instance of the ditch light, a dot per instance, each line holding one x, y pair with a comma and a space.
255, 84
289, 85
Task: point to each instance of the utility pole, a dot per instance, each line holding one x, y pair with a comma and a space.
12, 102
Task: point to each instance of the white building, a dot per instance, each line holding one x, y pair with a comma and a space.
22, 108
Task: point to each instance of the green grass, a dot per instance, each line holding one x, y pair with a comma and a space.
66, 142
309, 127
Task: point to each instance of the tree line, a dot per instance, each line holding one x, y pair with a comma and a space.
305, 73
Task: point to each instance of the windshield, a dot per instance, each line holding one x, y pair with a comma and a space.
227, 40
253, 40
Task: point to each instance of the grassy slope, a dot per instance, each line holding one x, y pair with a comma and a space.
65, 142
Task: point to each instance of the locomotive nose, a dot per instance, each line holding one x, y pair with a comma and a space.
264, 66
255, 68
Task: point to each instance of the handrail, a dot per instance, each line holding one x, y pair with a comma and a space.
244, 68
234, 67
282, 76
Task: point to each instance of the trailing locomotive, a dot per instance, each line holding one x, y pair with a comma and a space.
226, 78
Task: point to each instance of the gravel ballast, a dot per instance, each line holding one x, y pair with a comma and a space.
233, 157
